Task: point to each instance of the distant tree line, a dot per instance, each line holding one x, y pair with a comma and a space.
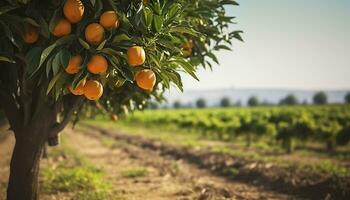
319, 98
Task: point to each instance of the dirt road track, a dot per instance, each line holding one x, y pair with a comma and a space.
168, 178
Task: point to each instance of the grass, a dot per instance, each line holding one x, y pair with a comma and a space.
260, 151
74, 175
135, 172
108, 142
233, 172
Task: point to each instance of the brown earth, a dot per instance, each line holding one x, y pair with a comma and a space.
166, 177
289, 180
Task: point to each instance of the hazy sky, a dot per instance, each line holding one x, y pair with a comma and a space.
297, 44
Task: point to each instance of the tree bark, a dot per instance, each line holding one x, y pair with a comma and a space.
24, 169
25, 162
330, 146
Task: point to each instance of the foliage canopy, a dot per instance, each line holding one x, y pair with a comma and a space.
36, 69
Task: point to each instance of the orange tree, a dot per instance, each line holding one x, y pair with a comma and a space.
59, 56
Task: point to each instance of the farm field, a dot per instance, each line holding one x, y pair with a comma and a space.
105, 159
295, 150
155, 150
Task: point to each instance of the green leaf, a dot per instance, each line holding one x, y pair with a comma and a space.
222, 47
147, 17
33, 59
5, 9
48, 50
101, 45
9, 34
183, 29
78, 78
64, 58
84, 44
54, 19
44, 27
52, 82
121, 37
98, 8
125, 72
154, 59
111, 52
168, 44
213, 57
6, 59
186, 66
49, 66
56, 63
31, 21
93, 2
157, 22
113, 4
173, 12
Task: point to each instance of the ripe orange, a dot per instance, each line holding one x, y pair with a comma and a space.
94, 33
109, 20
79, 90
93, 90
188, 44
114, 117
97, 64
146, 79
31, 35
73, 10
74, 64
136, 56
187, 52
62, 28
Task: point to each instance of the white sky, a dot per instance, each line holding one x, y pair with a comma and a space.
295, 44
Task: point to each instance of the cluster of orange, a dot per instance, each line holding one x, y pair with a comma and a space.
145, 79
73, 11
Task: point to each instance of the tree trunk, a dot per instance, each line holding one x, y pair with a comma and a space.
288, 145
24, 170
248, 140
25, 162
330, 146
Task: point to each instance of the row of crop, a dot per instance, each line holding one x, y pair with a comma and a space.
328, 124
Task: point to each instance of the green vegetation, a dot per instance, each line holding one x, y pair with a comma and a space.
317, 136
320, 98
287, 126
76, 176
264, 149
135, 172
253, 101
201, 103
225, 102
347, 98
290, 99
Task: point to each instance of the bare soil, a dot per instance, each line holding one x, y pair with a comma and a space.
168, 178
287, 180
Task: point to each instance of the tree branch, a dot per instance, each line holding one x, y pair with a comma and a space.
9, 105
58, 127
25, 97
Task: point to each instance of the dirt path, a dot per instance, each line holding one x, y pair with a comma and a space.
143, 174
166, 178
